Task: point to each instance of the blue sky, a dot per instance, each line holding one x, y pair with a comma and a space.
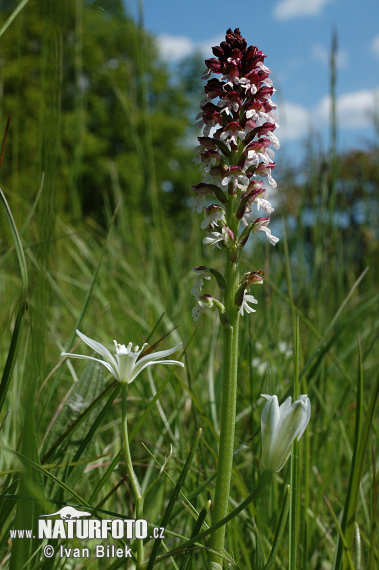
296, 37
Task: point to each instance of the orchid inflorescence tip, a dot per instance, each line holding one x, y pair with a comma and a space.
238, 121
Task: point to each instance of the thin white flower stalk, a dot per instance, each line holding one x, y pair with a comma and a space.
125, 366
280, 427
235, 151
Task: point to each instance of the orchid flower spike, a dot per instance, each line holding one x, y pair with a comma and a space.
125, 365
280, 427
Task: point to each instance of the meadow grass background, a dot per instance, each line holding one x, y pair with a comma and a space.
124, 272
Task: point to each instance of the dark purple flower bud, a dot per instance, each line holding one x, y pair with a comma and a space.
204, 189
264, 92
231, 234
254, 190
213, 64
218, 51
214, 88
226, 49
253, 278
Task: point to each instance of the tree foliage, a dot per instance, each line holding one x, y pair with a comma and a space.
334, 206
92, 107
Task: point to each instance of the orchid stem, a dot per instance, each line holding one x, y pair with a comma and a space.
129, 468
229, 396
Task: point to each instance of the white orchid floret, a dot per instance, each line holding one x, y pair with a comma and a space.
215, 214
209, 126
204, 302
260, 225
264, 204
273, 117
263, 67
207, 164
245, 303
280, 426
253, 158
199, 203
265, 117
252, 114
273, 138
198, 151
214, 238
233, 80
228, 106
271, 180
230, 134
202, 273
265, 170
205, 100
126, 364
247, 85
239, 180
270, 154
271, 239
196, 312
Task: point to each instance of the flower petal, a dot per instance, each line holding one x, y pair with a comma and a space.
157, 355
292, 423
84, 357
99, 348
138, 369
269, 421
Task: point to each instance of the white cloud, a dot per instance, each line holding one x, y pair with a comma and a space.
174, 48
320, 53
286, 9
375, 46
294, 121
354, 110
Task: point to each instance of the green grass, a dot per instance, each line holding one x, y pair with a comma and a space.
130, 281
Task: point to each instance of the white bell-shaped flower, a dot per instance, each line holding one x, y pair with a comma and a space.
280, 426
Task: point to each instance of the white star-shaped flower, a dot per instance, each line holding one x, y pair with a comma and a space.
125, 365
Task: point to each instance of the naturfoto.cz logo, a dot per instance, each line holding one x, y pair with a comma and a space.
75, 524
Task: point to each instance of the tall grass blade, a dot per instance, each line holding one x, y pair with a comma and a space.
14, 14
360, 444
374, 508
265, 478
294, 485
196, 529
86, 301
77, 422
174, 496
279, 529
17, 245
332, 323
16, 335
